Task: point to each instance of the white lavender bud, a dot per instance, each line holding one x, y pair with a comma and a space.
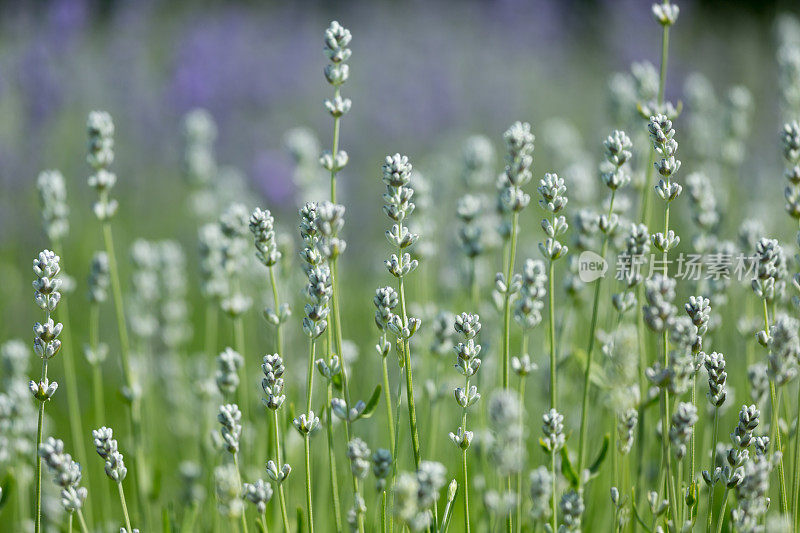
553, 192
53, 200
107, 448
784, 349
467, 361
381, 467
626, 426
258, 493
572, 508
318, 291
262, 226
478, 156
659, 311
272, 384
229, 418
359, 455
229, 362
665, 14
339, 408
770, 269
336, 40
66, 473
715, 366
540, 490
306, 424
278, 476
683, 421
758, 379
742, 435
385, 300
100, 156
228, 490
98, 278
528, 307
46, 286
617, 152
553, 429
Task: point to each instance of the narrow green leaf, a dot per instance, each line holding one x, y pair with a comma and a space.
598, 462
567, 469
372, 403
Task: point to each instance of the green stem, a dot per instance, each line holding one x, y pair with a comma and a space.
412, 412
82, 522
711, 469
239, 478
387, 394
336, 127
310, 516
721, 518
38, 479
337, 513
239, 340
124, 508
383, 512
553, 362
553, 508
464, 459
774, 423
279, 456
589, 354
796, 473
276, 300
127, 373
73, 403
507, 299
521, 443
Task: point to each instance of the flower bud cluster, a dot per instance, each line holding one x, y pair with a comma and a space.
66, 473
53, 200
262, 226
553, 192
107, 448
272, 383
519, 160
100, 155
683, 421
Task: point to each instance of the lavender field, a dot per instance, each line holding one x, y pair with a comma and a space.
496, 266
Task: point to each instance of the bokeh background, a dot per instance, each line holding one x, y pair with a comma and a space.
424, 77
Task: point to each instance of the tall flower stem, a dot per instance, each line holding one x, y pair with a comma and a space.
387, 394
337, 512
662, 78
124, 508
98, 395
796, 475
307, 436
412, 412
521, 443
82, 521
711, 469
590, 352
279, 456
721, 518
73, 404
276, 300
512, 252
464, 460
775, 407
239, 478
38, 479
134, 403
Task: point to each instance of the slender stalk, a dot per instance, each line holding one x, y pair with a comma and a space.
134, 406
239, 340
239, 478
276, 300
464, 460
667, 460
507, 299
721, 518
335, 149
387, 394
521, 444
590, 353
553, 508
82, 522
796, 473
412, 412
38, 509
711, 469
279, 456
552, 326
307, 436
383, 512
775, 404
337, 512
73, 403
124, 508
